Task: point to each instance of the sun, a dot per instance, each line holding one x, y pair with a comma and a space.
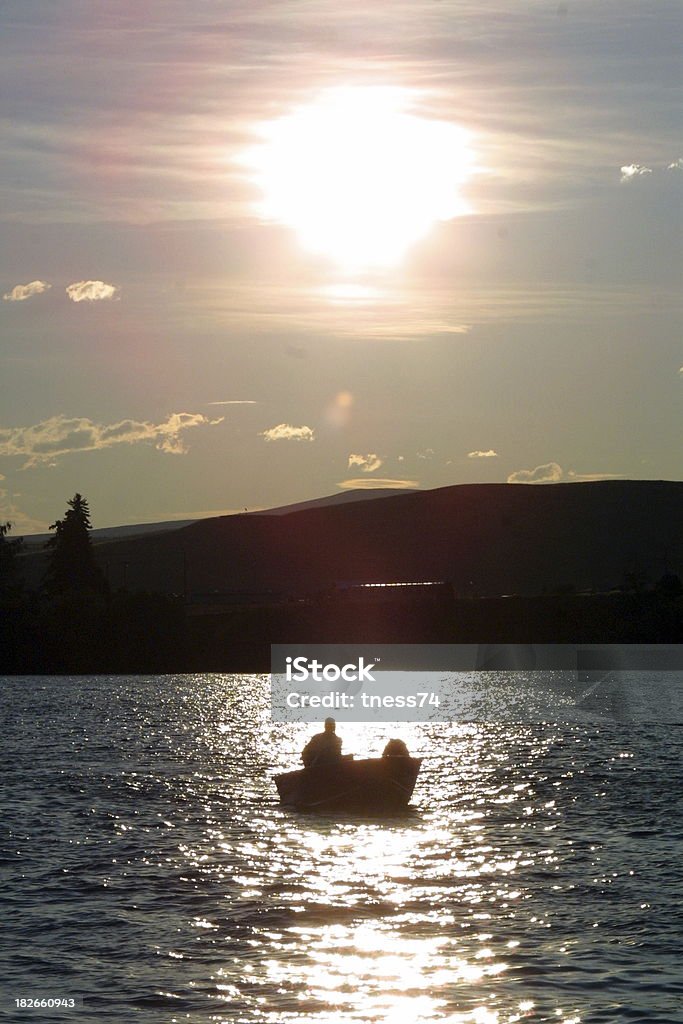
358, 176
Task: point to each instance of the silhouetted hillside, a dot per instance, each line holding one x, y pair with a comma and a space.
340, 498
486, 539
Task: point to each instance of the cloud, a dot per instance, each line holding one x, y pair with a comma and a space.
490, 454
90, 291
235, 401
79, 291
21, 292
376, 482
62, 435
426, 453
549, 473
632, 171
573, 477
286, 432
367, 463
502, 57
21, 522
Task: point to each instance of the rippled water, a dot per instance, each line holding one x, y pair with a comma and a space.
149, 868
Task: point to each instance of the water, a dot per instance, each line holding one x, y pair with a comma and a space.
148, 868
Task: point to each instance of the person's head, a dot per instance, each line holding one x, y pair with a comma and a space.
395, 748
330, 725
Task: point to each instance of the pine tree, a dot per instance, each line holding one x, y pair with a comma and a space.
72, 563
9, 549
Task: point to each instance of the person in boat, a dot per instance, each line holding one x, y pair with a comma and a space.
395, 748
324, 747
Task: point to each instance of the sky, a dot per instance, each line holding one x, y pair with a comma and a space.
254, 253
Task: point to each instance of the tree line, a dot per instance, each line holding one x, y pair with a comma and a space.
74, 622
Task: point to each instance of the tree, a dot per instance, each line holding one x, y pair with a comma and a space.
634, 581
9, 549
72, 563
669, 587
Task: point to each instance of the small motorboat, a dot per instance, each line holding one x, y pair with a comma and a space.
374, 784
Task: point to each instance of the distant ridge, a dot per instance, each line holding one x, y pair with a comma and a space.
341, 498
485, 539
108, 533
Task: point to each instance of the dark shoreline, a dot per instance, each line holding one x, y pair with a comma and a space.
135, 634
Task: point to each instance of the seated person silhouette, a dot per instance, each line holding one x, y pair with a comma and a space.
324, 747
395, 748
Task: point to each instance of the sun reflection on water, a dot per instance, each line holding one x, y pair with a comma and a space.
533, 879
367, 898
453, 912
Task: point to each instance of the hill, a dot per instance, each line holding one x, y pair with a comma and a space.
35, 541
487, 540
341, 498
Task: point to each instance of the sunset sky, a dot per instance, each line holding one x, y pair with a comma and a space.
257, 252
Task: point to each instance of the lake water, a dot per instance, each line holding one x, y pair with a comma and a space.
148, 869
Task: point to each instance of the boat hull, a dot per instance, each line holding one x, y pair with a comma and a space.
377, 784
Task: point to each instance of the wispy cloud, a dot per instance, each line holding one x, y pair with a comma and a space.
51, 439
490, 454
22, 523
397, 313
365, 483
552, 473
90, 291
584, 477
677, 165
21, 292
235, 401
412, 315
631, 171
286, 432
548, 473
178, 113
366, 463
426, 453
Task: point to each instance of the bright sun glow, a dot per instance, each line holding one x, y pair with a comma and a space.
358, 177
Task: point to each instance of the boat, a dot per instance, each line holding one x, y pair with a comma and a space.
373, 784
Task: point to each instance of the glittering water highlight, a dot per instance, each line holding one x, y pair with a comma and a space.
149, 868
